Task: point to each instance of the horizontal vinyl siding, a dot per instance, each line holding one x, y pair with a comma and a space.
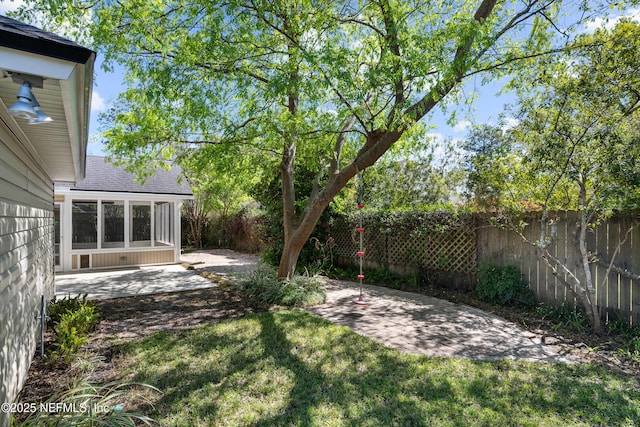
116, 259
26, 261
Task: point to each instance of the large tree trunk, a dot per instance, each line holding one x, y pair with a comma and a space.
293, 244
296, 233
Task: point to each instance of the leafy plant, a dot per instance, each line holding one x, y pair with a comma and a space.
504, 285
565, 315
324, 255
73, 320
374, 276
58, 307
632, 350
630, 338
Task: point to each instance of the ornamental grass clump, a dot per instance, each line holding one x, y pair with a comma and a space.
85, 404
263, 286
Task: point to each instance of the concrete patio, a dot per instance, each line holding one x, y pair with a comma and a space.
409, 322
129, 282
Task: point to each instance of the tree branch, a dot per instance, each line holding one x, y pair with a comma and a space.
424, 105
340, 140
613, 267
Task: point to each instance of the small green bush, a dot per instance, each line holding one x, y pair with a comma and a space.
630, 338
263, 286
58, 307
73, 319
504, 285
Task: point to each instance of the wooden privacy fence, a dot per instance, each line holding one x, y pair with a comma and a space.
617, 295
447, 249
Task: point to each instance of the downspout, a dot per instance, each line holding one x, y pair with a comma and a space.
43, 323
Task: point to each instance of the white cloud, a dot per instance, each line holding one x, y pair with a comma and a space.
9, 6
462, 126
590, 27
97, 102
509, 123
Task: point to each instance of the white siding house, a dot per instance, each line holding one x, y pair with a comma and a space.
32, 157
109, 220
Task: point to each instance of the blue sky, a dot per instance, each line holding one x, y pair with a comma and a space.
485, 109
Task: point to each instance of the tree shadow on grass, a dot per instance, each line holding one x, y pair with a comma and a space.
166, 361
331, 375
352, 391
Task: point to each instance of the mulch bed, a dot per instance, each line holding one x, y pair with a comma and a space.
130, 318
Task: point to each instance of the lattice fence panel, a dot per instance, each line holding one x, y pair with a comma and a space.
343, 235
436, 243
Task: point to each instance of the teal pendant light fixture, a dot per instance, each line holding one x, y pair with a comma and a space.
23, 109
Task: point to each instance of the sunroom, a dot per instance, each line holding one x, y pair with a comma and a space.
108, 220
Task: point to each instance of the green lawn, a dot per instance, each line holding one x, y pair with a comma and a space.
291, 368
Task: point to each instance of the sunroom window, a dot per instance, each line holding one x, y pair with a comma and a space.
84, 220
164, 223
140, 224
112, 224
115, 224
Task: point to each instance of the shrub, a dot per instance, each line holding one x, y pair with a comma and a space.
302, 291
630, 338
503, 285
57, 307
73, 319
263, 286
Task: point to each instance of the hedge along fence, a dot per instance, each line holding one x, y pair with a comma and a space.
446, 249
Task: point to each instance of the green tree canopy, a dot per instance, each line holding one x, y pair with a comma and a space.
270, 84
580, 129
580, 125
416, 182
493, 167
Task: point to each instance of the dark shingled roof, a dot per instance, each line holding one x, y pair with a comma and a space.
105, 176
18, 35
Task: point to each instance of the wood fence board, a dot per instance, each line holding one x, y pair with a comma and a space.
558, 250
535, 281
459, 250
613, 284
598, 271
635, 303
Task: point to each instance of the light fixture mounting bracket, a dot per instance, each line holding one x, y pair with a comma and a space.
20, 78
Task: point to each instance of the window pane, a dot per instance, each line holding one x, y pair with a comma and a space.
84, 224
140, 224
56, 231
164, 223
113, 224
